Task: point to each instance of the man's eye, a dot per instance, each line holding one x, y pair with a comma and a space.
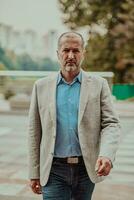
66, 50
76, 51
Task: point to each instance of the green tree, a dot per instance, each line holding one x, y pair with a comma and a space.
123, 34
10, 61
5, 59
48, 65
2, 66
110, 51
25, 62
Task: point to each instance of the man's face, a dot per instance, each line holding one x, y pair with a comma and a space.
70, 53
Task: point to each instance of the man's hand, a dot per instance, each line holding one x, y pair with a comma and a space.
103, 166
35, 186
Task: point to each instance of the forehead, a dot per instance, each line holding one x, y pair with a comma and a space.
70, 41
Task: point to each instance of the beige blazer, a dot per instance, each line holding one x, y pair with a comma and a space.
98, 125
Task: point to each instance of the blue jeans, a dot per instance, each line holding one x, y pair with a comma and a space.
68, 182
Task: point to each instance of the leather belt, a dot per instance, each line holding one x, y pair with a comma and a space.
69, 160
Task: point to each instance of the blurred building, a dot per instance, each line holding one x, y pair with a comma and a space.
29, 42
5, 35
50, 42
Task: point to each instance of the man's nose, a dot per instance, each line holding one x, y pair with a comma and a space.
70, 55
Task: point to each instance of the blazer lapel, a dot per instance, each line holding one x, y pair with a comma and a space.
84, 94
52, 103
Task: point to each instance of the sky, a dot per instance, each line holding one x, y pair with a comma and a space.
38, 15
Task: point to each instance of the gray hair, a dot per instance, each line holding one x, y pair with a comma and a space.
67, 34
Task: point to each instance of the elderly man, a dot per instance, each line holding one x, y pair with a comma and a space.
73, 129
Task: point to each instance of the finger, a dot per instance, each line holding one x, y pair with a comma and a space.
36, 188
98, 164
101, 168
103, 174
100, 173
105, 171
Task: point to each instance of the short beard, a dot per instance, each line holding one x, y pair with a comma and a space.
71, 68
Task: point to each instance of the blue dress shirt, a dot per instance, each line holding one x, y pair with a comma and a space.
67, 105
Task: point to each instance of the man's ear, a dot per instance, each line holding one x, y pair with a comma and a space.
57, 53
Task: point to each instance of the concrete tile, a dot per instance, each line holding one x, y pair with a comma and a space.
10, 189
21, 174
5, 131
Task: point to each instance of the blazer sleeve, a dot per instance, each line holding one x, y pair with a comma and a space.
110, 125
34, 136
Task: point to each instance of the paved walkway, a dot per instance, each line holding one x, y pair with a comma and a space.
124, 108
13, 160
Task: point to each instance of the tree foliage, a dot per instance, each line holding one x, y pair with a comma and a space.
10, 61
2, 66
112, 51
5, 59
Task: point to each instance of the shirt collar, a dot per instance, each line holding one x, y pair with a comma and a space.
78, 78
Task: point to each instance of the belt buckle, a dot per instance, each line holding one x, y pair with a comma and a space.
72, 160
